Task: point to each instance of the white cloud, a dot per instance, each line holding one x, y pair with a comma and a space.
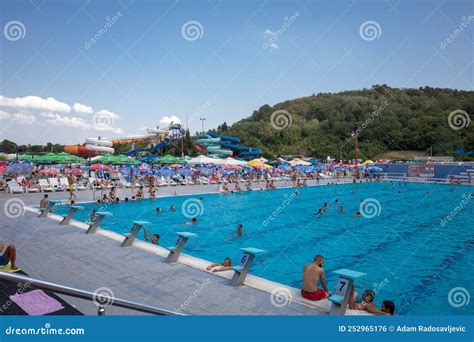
269, 32
83, 109
4, 115
167, 120
35, 102
68, 121
107, 113
274, 46
24, 119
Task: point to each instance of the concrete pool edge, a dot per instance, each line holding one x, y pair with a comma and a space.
287, 293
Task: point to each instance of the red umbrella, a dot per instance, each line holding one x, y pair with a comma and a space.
50, 171
75, 171
96, 167
143, 168
2, 169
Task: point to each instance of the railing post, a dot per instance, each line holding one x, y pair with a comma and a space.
94, 225
71, 213
176, 250
137, 226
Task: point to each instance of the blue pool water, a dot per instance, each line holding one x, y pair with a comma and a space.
408, 255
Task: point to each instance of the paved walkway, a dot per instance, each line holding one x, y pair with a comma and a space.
66, 255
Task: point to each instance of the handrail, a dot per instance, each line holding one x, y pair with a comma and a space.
102, 299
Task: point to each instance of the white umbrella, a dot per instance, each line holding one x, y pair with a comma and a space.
298, 161
232, 162
199, 160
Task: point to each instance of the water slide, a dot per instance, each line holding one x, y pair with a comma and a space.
230, 142
212, 145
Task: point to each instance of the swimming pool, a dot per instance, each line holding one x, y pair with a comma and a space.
410, 255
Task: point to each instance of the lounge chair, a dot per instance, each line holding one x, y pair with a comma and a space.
44, 185
55, 184
13, 187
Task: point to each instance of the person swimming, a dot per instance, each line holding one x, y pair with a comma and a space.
193, 221
93, 216
154, 239
341, 209
173, 208
357, 214
158, 210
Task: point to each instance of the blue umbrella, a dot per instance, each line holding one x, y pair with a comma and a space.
19, 167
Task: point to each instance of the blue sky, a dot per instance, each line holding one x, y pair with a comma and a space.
142, 68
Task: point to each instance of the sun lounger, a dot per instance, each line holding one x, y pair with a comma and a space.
44, 185
55, 184
13, 187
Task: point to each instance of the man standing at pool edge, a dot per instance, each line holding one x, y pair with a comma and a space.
313, 274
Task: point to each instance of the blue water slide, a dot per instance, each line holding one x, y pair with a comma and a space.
225, 138
229, 142
152, 149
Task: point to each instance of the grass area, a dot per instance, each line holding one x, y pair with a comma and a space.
400, 155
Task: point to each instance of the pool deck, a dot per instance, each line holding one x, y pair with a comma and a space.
68, 256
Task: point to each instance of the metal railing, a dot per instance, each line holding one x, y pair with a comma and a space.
100, 299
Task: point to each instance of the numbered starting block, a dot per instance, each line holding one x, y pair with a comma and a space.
49, 207
129, 238
175, 251
344, 290
243, 268
100, 217
71, 213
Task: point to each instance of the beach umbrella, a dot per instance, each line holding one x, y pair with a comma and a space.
26, 157
75, 171
16, 168
49, 171
203, 160
367, 162
2, 169
169, 159
99, 167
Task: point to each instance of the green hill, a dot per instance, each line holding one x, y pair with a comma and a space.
386, 119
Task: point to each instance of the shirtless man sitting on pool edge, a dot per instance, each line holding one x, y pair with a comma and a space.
313, 274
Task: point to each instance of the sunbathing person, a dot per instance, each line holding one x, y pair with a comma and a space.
313, 274
154, 239
219, 267
44, 201
9, 256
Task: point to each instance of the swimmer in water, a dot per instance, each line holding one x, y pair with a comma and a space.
193, 221
158, 210
172, 208
357, 214
341, 209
